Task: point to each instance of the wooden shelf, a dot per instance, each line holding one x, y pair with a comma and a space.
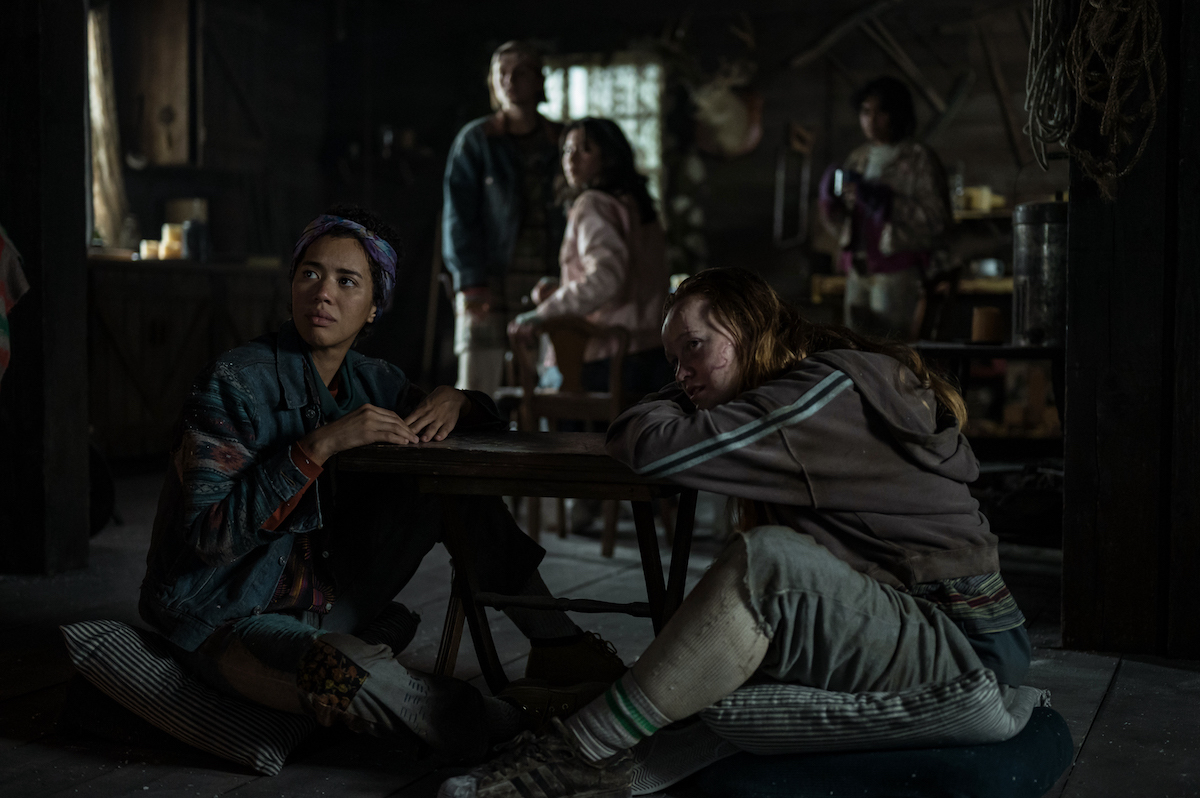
827, 285
995, 213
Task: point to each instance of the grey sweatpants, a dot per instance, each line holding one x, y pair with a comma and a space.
834, 628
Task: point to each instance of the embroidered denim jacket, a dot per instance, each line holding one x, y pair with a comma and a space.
481, 210
210, 561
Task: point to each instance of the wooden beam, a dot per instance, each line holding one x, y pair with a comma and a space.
958, 98
879, 34
838, 31
1022, 150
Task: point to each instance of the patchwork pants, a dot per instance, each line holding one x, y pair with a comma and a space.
316, 664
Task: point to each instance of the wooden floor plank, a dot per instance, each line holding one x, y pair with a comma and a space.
31, 716
1145, 740
161, 780
1077, 682
34, 668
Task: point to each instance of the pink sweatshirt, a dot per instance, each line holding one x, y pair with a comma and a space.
614, 272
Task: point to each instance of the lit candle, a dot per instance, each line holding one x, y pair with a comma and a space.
148, 249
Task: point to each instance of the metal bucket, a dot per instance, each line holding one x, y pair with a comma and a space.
1040, 274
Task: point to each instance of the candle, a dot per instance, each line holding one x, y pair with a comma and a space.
170, 246
148, 249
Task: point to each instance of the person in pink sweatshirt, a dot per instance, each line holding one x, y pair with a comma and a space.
613, 259
863, 564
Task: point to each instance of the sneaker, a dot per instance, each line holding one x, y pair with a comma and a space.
550, 766
674, 753
586, 658
539, 701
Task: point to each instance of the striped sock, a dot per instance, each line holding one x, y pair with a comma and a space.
617, 720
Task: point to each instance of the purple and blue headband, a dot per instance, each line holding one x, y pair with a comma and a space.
376, 248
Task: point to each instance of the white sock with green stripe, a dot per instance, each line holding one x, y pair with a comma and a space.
617, 720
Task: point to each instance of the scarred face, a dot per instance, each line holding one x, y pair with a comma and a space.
703, 353
332, 294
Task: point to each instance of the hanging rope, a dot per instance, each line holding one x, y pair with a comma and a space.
1114, 51
1047, 98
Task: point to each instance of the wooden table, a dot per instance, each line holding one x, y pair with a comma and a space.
535, 464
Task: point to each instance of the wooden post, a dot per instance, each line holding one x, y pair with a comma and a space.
1183, 626
1131, 532
43, 399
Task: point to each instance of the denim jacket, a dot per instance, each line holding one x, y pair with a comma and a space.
210, 560
481, 213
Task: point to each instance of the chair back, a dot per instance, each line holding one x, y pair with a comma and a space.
570, 335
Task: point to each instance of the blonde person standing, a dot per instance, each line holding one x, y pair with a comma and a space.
501, 222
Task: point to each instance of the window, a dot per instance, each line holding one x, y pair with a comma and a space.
626, 88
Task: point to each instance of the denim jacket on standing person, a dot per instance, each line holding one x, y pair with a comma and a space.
481, 213
213, 557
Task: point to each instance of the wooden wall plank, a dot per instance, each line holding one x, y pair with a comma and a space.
1089, 257
1183, 629
43, 408
161, 106
1130, 512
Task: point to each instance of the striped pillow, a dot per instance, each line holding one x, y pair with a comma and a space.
135, 668
789, 718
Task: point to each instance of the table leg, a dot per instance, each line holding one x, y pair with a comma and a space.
466, 587
681, 550
643, 520
452, 628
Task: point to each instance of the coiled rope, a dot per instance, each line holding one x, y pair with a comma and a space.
1047, 98
1114, 51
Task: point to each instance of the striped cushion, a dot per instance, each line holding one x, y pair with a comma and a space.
789, 718
135, 668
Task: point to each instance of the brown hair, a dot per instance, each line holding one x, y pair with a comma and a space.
523, 50
771, 337
618, 167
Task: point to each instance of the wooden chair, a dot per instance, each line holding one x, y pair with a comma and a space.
570, 335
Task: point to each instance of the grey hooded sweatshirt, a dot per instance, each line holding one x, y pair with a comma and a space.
847, 448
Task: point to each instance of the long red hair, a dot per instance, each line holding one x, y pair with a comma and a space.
771, 336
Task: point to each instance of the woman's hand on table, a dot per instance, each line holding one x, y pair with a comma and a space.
364, 425
524, 328
438, 413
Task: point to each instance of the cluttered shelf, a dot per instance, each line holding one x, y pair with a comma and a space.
824, 286
1012, 390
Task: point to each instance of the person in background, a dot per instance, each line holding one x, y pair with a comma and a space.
862, 562
613, 260
265, 570
501, 223
888, 206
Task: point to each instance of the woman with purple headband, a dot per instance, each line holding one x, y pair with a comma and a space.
271, 580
